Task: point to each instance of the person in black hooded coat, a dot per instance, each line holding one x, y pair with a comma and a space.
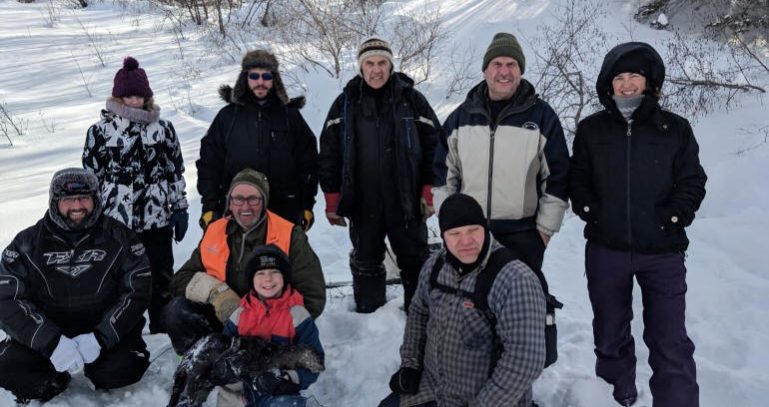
262, 129
636, 180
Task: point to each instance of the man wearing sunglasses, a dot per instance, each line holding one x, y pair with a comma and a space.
262, 129
73, 289
376, 155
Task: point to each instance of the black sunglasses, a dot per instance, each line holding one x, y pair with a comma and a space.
254, 76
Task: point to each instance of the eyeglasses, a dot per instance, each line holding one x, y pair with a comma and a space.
69, 200
240, 200
254, 76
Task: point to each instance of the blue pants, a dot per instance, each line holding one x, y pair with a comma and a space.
662, 278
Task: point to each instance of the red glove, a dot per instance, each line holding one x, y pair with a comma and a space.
332, 204
426, 202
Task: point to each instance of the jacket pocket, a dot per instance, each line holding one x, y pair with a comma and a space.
476, 329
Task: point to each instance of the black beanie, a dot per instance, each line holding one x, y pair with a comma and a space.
460, 210
269, 257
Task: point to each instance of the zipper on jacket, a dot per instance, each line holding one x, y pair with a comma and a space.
491, 172
629, 142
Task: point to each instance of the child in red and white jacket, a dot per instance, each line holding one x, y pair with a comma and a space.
274, 312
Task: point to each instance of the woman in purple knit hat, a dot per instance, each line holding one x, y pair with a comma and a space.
138, 161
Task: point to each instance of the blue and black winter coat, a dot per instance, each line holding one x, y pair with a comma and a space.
370, 152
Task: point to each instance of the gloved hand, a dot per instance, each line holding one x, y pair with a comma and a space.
207, 218
65, 356
179, 222
405, 381
88, 347
426, 202
308, 219
224, 300
207, 289
332, 204
273, 382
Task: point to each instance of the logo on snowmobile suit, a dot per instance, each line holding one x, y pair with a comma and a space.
137, 249
74, 271
530, 126
86, 256
9, 256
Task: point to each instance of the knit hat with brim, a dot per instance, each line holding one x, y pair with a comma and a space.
131, 81
505, 45
253, 178
375, 47
69, 182
269, 257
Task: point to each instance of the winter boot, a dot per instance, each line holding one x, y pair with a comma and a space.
368, 286
625, 395
47, 390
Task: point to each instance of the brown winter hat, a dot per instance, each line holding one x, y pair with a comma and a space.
131, 80
505, 45
374, 46
261, 59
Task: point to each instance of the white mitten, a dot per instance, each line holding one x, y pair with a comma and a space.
65, 356
88, 347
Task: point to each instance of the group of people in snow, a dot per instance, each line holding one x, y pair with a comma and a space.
74, 287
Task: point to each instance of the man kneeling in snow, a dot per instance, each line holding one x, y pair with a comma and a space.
460, 349
73, 289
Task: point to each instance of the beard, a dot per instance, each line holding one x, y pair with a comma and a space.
74, 222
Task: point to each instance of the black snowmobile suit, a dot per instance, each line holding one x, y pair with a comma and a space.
50, 286
378, 152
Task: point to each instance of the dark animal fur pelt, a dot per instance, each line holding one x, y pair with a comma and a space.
216, 360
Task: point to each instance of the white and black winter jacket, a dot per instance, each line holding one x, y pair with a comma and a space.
138, 161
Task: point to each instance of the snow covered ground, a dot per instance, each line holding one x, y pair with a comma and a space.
50, 76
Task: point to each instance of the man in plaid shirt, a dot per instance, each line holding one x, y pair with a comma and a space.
456, 354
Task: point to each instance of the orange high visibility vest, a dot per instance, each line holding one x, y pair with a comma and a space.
214, 250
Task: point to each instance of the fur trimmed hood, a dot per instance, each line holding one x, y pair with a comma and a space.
244, 97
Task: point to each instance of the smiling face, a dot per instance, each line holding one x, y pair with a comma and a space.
268, 283
376, 71
502, 75
465, 242
134, 101
628, 84
246, 205
75, 209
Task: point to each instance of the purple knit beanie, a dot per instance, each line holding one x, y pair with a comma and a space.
131, 81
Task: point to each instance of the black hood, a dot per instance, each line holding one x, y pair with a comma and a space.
655, 78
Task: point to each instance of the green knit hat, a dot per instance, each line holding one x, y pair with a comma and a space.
504, 45
253, 178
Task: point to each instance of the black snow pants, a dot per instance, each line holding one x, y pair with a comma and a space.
408, 241
662, 279
161, 256
29, 375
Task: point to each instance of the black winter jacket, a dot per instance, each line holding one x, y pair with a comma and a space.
273, 139
636, 183
50, 286
369, 152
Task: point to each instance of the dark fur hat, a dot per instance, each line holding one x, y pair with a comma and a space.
74, 181
240, 93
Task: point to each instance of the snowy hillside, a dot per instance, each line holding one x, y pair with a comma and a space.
51, 77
